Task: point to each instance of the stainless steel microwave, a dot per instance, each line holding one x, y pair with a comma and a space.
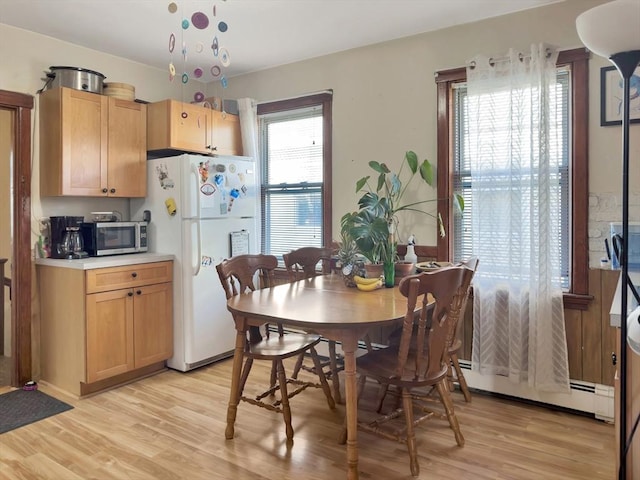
114, 238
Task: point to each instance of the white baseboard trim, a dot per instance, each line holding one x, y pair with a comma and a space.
583, 396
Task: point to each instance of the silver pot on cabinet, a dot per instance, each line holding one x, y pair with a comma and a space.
75, 77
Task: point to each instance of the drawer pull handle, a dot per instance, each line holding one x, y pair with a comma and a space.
130, 294
104, 190
113, 190
139, 292
134, 274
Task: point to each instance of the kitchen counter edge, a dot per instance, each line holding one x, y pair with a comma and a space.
105, 262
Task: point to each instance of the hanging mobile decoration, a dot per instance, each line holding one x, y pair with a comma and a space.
225, 60
172, 46
199, 20
214, 46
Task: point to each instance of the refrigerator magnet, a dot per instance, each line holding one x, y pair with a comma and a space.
203, 169
208, 189
170, 203
163, 177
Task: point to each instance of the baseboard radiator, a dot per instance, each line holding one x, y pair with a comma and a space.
583, 397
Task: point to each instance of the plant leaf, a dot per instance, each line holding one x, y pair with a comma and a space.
361, 183
396, 184
459, 202
412, 160
426, 172
376, 166
443, 232
381, 179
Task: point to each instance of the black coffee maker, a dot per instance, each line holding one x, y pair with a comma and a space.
58, 226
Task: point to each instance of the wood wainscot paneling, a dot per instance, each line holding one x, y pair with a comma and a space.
590, 338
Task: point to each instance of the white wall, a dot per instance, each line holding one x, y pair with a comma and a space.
26, 56
385, 103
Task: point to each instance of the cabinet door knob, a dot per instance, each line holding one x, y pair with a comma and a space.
208, 147
104, 190
139, 292
134, 274
130, 294
214, 148
113, 190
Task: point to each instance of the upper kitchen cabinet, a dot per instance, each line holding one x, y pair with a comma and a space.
178, 126
225, 134
91, 145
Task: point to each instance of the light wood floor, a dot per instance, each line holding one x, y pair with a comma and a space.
171, 426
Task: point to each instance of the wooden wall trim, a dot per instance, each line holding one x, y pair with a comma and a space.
21, 105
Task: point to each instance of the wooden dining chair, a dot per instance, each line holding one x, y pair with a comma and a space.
238, 275
307, 262
455, 343
439, 295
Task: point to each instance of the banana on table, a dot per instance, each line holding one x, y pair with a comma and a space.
367, 284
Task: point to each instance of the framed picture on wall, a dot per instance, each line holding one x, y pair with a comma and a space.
611, 96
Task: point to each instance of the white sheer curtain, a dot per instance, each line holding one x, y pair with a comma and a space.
248, 114
518, 312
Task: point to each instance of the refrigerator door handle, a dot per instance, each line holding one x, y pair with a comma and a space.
196, 176
199, 250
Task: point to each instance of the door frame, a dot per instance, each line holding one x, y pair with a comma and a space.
21, 104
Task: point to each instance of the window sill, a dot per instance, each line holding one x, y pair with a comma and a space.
574, 301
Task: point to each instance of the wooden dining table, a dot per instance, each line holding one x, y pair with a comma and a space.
322, 305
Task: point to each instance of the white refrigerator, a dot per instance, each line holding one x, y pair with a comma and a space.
203, 210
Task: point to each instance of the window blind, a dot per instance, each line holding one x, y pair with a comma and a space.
462, 184
292, 179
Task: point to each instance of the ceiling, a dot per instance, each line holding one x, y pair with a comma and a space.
261, 33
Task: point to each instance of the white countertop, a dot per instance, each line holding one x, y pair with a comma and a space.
102, 262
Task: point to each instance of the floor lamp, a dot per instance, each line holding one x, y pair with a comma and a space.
612, 30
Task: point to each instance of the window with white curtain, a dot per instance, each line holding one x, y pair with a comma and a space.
572, 124
503, 181
295, 150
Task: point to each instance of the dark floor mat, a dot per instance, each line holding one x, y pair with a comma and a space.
22, 407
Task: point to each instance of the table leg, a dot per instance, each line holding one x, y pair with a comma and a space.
234, 395
349, 346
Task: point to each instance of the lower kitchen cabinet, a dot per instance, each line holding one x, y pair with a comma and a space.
105, 326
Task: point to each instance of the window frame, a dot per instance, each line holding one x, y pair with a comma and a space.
319, 99
577, 60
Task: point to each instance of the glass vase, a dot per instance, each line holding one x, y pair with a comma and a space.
389, 274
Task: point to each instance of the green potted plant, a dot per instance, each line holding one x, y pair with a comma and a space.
374, 225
